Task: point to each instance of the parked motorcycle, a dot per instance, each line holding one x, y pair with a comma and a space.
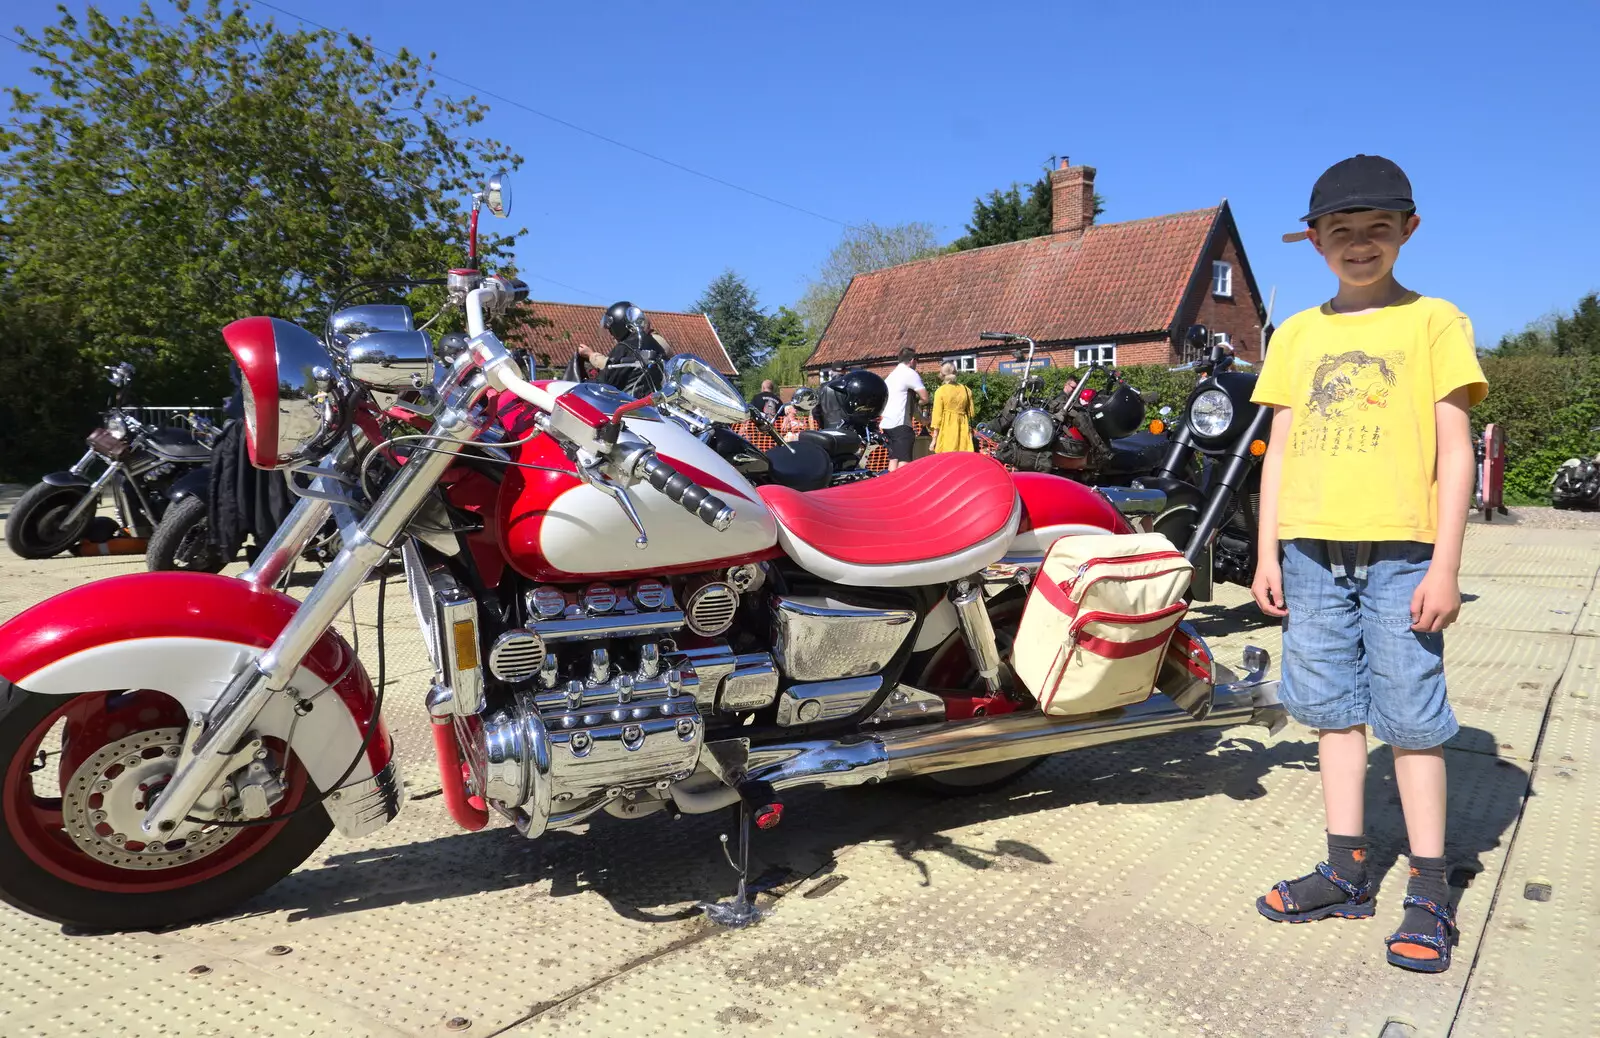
142, 462
618, 621
1576, 484
1091, 435
1211, 474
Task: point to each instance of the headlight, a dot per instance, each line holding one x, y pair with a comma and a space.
1211, 413
117, 427
1033, 429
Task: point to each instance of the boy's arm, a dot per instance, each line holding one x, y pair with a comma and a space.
1267, 587
1438, 598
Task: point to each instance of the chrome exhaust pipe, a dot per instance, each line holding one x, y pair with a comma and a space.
908, 752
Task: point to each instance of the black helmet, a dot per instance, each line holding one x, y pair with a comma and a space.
1118, 413
862, 392
621, 319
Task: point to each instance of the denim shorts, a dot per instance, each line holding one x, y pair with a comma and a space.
1350, 656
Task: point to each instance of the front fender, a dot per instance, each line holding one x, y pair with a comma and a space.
67, 479
194, 483
187, 634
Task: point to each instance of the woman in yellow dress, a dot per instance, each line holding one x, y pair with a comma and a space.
952, 413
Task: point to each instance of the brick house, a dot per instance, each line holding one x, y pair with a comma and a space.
1118, 292
554, 330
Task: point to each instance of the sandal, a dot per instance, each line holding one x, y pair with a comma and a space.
1358, 905
1444, 928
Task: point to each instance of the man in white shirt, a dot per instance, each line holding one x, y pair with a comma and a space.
896, 423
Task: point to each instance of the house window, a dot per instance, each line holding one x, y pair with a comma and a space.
964, 362
1103, 354
1221, 339
1222, 279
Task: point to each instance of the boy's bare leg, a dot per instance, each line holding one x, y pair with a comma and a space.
1420, 776
1342, 756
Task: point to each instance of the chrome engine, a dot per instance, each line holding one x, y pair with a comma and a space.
594, 704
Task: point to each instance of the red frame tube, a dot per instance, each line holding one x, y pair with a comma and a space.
469, 815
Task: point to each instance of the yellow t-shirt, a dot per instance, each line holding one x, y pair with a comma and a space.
1359, 465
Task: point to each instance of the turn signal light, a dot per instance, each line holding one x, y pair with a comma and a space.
1258, 447
1158, 427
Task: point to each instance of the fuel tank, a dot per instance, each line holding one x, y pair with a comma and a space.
1054, 507
554, 527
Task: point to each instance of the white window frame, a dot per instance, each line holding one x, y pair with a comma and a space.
1222, 278
965, 363
1104, 352
1221, 339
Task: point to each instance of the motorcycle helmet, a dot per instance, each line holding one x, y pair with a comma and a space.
862, 393
621, 318
1118, 413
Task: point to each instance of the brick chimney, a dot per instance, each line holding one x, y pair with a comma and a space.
1071, 198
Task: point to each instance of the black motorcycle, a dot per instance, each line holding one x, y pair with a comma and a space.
1576, 484
1211, 474
1090, 434
142, 462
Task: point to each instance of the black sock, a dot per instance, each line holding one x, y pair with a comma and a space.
1347, 856
1427, 880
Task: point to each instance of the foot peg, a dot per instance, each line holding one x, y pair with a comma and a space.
758, 803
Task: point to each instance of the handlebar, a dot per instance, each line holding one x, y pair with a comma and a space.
681, 490
996, 336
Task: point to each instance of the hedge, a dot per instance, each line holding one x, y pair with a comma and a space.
990, 391
1545, 406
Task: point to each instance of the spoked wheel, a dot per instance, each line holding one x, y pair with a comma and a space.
35, 530
80, 771
951, 666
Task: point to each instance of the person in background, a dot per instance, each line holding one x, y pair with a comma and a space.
903, 382
952, 413
767, 401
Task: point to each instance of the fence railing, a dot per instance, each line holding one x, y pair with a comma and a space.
173, 416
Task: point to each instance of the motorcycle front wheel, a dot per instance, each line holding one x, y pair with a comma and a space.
34, 530
182, 540
78, 772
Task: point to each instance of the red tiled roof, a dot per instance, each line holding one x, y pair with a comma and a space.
568, 324
1114, 280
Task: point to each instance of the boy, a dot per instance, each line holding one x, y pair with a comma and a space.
1365, 489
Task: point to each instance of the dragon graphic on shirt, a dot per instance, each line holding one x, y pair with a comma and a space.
1354, 380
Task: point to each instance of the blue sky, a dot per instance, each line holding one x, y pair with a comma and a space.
897, 112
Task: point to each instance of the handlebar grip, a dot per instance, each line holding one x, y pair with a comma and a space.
995, 336
682, 490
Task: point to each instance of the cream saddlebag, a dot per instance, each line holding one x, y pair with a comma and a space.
1098, 621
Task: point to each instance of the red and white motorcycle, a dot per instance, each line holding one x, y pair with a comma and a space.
618, 622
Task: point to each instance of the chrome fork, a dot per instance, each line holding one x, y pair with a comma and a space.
91, 501
366, 545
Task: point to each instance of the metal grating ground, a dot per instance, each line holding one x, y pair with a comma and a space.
1107, 893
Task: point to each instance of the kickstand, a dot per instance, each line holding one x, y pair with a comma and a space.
741, 911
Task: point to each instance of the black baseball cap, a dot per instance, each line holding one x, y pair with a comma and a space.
1361, 182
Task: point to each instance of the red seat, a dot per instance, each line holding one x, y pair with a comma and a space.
938, 519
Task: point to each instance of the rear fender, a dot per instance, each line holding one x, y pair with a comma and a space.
187, 634
67, 479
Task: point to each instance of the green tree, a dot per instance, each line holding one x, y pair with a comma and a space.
862, 249
1561, 335
789, 346
1007, 216
736, 314
161, 178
